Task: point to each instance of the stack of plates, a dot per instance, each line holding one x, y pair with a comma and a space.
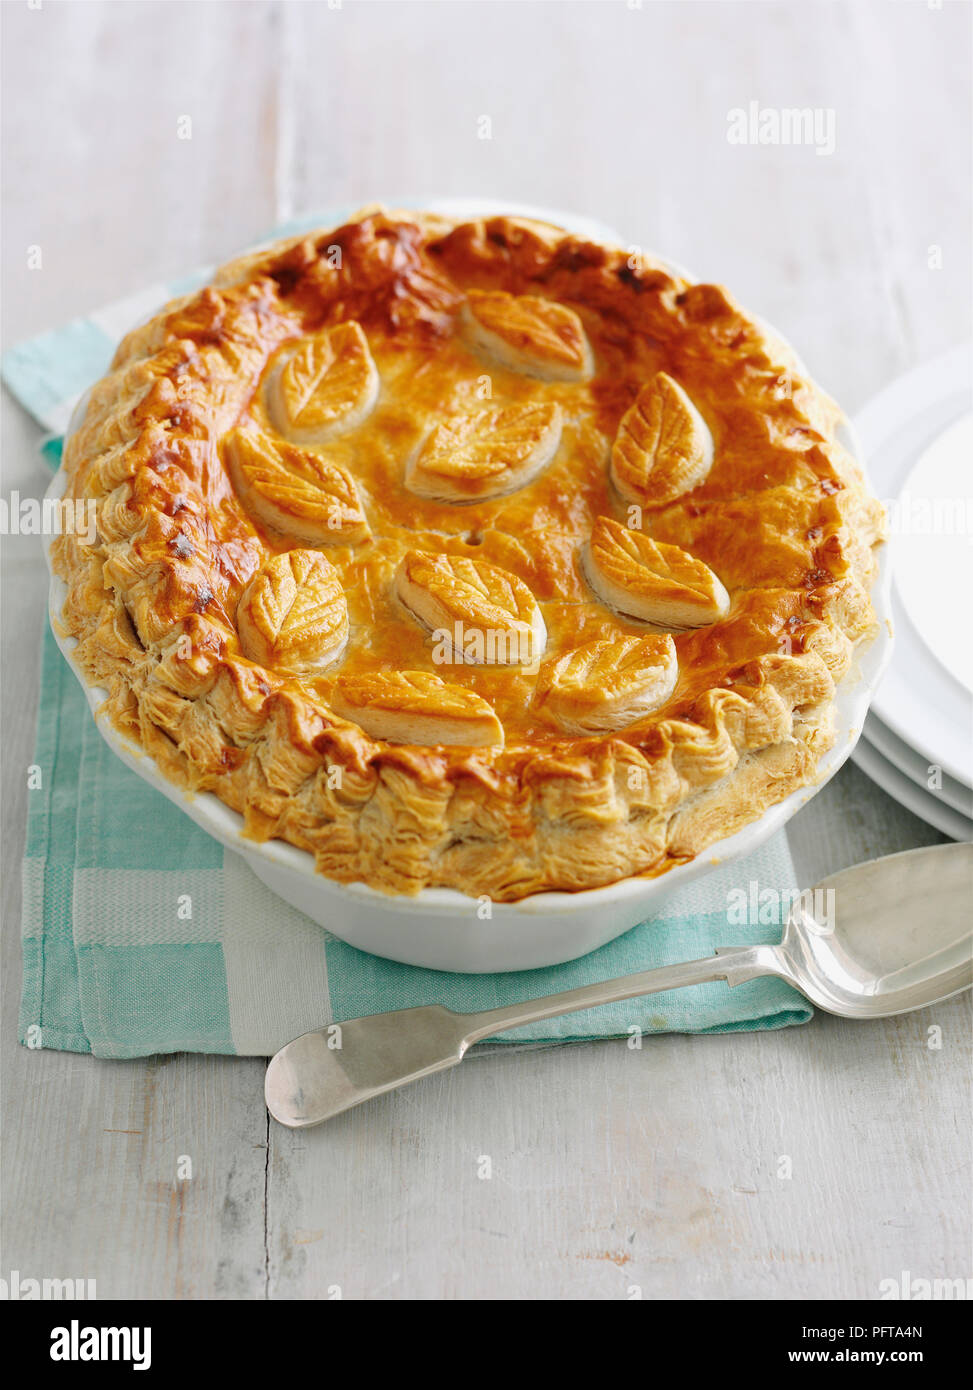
917, 436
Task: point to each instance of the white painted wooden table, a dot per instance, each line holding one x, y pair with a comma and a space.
613, 1169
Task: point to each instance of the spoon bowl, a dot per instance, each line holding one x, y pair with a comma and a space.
885, 937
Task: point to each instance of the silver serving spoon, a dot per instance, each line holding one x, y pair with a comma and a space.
885, 937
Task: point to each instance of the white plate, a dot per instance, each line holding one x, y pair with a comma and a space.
915, 799
919, 700
915, 767
935, 559
442, 929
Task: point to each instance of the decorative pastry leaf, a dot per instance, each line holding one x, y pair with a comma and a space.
293, 613
608, 684
663, 447
486, 452
417, 707
477, 612
326, 385
535, 336
295, 491
658, 583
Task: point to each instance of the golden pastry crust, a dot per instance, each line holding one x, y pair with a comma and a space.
608, 684
528, 333
478, 612
485, 453
324, 386
293, 614
417, 707
663, 447
643, 578
296, 492
437, 414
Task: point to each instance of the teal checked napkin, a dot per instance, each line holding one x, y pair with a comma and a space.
143, 935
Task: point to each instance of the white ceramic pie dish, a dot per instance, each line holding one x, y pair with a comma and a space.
440, 928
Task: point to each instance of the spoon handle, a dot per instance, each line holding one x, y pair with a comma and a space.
734, 964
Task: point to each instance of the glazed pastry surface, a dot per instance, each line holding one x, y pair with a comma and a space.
469, 554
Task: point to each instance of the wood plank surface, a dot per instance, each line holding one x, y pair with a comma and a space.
616, 1173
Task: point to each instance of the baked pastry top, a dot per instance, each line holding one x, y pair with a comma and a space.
472, 554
